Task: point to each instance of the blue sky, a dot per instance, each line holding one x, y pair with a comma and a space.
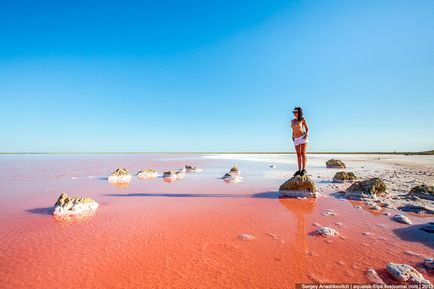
92, 76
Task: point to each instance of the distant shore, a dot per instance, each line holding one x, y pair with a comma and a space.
431, 152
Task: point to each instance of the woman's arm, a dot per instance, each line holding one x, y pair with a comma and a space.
292, 130
306, 128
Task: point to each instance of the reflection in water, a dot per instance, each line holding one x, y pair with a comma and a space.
299, 208
120, 184
70, 219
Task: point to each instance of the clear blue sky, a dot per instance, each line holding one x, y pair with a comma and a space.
216, 75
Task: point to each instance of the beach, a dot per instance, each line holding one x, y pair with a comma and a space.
190, 233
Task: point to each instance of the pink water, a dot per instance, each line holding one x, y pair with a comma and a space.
154, 234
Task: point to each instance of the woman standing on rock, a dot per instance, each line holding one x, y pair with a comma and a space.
299, 136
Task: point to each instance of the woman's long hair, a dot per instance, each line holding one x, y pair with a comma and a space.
300, 113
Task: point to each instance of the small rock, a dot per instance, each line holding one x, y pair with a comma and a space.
329, 213
120, 176
273, 166
423, 192
406, 273
373, 276
191, 169
326, 232
247, 237
341, 177
417, 209
402, 219
428, 263
335, 164
147, 174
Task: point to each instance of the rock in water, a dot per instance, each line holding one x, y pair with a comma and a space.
341, 177
423, 192
417, 209
406, 273
326, 232
233, 176
191, 169
234, 171
335, 164
174, 175
147, 174
67, 205
401, 219
299, 186
120, 176
371, 188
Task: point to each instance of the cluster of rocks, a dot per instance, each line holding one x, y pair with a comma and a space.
233, 176
298, 187
191, 169
67, 205
407, 274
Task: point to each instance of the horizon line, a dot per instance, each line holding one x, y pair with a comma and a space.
252, 152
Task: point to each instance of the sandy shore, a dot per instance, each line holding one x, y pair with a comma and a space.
197, 232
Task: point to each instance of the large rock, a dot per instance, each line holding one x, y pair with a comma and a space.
371, 188
120, 176
341, 177
406, 273
299, 186
67, 205
335, 164
423, 192
174, 175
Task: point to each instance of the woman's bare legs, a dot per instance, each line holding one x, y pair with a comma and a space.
299, 160
303, 148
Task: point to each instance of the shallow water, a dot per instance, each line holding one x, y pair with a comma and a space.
185, 234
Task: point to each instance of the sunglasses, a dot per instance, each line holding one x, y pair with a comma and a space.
295, 112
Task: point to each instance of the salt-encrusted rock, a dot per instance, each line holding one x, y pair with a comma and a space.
147, 174
406, 273
191, 169
174, 175
402, 219
335, 164
423, 192
299, 186
373, 276
120, 176
342, 176
417, 209
234, 171
429, 227
326, 232
328, 213
371, 188
247, 237
67, 205
233, 176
